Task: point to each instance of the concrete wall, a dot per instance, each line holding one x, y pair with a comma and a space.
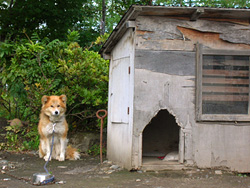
222, 145
165, 79
119, 136
158, 87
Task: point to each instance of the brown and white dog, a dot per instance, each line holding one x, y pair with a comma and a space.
53, 114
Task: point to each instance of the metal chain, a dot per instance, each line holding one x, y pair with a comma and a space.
28, 180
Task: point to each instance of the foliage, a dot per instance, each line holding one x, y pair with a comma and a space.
95, 150
49, 18
53, 18
32, 68
206, 3
20, 138
242, 175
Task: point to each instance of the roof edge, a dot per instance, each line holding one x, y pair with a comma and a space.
192, 12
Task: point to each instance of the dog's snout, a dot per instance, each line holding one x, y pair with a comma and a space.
56, 112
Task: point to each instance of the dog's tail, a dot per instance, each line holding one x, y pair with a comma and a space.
72, 153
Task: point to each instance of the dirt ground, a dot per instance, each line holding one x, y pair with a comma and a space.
88, 172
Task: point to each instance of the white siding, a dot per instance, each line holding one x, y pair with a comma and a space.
119, 94
121, 78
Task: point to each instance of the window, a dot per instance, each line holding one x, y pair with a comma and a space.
222, 85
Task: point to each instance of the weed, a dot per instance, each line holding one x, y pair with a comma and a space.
95, 150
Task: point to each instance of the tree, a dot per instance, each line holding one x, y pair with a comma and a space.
206, 3
53, 18
49, 18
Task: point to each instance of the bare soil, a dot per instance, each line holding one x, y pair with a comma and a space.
88, 172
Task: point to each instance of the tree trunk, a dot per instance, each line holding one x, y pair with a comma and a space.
103, 17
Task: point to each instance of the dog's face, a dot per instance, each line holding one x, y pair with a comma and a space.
54, 105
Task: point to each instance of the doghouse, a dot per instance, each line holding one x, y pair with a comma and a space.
179, 82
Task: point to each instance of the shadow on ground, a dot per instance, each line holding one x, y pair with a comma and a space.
88, 173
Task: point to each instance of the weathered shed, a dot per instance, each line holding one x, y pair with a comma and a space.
179, 81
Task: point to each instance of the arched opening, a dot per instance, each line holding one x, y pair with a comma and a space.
160, 138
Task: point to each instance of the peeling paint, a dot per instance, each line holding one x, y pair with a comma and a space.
214, 40
155, 33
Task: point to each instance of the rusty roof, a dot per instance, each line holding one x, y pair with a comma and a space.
192, 13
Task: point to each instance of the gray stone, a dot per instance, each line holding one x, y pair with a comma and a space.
114, 167
218, 172
84, 141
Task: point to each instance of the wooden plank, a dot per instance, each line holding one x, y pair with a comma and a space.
225, 89
198, 109
225, 80
226, 63
224, 98
225, 72
226, 52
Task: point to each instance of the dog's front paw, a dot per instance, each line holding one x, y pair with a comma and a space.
61, 158
46, 158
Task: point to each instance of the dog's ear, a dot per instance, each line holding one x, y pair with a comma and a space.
63, 98
45, 99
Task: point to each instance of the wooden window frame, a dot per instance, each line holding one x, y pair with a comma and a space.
200, 51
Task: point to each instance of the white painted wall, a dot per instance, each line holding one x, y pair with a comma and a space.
120, 105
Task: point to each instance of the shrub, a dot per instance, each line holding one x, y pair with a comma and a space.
32, 68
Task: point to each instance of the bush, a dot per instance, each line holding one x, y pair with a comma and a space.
32, 68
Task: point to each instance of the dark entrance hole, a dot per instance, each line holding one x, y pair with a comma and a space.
160, 136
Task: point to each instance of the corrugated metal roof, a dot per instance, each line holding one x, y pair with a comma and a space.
192, 13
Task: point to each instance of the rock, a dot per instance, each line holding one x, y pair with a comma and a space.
114, 167
107, 162
3, 162
5, 167
105, 168
84, 141
191, 171
138, 180
61, 182
110, 171
17, 122
218, 172
62, 167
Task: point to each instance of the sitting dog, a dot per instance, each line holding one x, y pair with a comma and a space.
53, 115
